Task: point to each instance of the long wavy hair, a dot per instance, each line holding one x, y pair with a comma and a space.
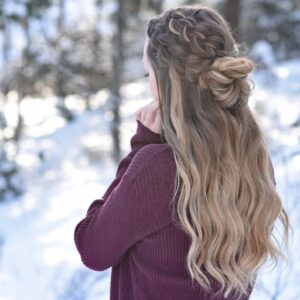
228, 202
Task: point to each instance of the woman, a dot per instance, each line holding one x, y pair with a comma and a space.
192, 208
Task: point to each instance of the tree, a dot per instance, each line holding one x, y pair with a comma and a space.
232, 15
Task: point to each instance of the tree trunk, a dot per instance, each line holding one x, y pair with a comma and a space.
116, 78
232, 15
59, 77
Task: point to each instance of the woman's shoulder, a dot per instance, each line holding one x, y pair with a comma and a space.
158, 158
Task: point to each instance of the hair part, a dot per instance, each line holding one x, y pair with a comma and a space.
227, 201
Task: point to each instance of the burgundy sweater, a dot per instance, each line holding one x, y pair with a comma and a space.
133, 228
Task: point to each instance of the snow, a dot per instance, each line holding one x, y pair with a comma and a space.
67, 166
13, 7
263, 51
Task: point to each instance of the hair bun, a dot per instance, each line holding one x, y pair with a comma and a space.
233, 67
226, 79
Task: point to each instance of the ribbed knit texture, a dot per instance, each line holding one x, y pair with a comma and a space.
132, 228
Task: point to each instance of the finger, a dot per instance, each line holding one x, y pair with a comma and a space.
154, 105
157, 123
138, 115
152, 110
149, 115
143, 115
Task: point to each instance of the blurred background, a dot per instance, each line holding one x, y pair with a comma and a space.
71, 78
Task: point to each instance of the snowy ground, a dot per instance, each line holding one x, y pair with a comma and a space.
38, 259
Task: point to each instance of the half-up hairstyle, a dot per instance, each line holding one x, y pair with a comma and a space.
228, 202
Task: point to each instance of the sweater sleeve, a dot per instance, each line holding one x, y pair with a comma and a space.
143, 136
138, 206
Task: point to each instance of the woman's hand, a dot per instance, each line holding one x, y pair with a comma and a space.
149, 115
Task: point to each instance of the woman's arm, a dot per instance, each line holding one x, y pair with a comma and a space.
138, 206
143, 136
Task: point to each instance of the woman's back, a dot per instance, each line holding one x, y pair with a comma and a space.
138, 234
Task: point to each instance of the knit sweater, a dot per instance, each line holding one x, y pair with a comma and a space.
133, 228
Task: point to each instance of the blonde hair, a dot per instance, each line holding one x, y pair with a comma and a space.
228, 202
